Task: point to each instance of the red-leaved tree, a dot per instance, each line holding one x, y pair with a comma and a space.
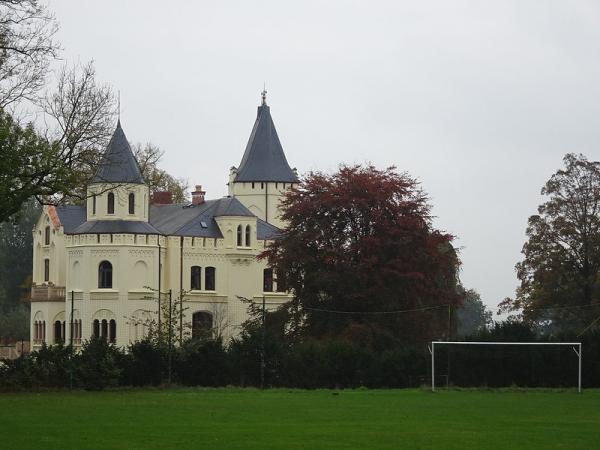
359, 246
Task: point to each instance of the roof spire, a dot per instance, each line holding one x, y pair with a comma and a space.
263, 95
119, 106
264, 159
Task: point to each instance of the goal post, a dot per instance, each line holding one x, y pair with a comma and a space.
576, 348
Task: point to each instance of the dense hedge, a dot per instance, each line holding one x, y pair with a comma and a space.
310, 363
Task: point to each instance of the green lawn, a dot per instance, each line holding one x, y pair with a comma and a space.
289, 419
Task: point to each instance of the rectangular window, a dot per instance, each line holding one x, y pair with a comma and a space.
195, 278
47, 236
209, 279
94, 204
281, 282
46, 270
268, 280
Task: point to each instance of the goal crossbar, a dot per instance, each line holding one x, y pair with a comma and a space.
576, 348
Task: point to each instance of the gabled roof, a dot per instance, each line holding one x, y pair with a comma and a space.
264, 159
118, 164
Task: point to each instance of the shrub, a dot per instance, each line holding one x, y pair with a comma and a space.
202, 362
99, 365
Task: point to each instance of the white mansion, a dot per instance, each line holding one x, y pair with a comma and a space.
98, 268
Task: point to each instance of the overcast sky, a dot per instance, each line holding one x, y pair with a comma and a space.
478, 100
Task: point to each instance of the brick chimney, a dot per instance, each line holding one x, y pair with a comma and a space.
198, 195
162, 198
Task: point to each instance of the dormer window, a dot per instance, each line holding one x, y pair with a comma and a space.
132, 203
110, 208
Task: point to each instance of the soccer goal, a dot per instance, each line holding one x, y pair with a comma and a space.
576, 348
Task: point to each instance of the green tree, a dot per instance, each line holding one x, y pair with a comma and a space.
30, 166
472, 316
15, 271
559, 274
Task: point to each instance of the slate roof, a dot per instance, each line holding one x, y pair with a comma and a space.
71, 216
170, 220
264, 159
118, 164
198, 220
115, 226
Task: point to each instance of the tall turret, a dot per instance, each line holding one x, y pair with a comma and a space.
117, 191
264, 174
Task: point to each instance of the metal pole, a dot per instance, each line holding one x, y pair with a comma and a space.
72, 312
433, 367
71, 341
170, 332
159, 288
579, 379
181, 291
262, 347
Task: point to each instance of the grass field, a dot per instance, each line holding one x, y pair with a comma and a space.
288, 419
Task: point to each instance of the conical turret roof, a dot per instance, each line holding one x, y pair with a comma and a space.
118, 163
264, 159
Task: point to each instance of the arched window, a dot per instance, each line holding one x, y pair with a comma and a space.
268, 280
202, 324
132, 203
196, 278
247, 235
110, 209
104, 329
209, 278
94, 204
239, 235
96, 328
105, 275
47, 236
112, 331
57, 332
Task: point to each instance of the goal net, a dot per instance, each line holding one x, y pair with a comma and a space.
576, 346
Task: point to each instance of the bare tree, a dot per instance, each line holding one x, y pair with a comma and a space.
148, 157
27, 45
81, 114
221, 322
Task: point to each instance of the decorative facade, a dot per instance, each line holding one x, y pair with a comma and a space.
98, 268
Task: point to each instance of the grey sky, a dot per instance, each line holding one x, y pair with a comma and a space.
478, 99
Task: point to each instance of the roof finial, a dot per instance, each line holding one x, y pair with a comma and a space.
119, 105
263, 95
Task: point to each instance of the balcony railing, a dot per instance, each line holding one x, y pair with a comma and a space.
46, 293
